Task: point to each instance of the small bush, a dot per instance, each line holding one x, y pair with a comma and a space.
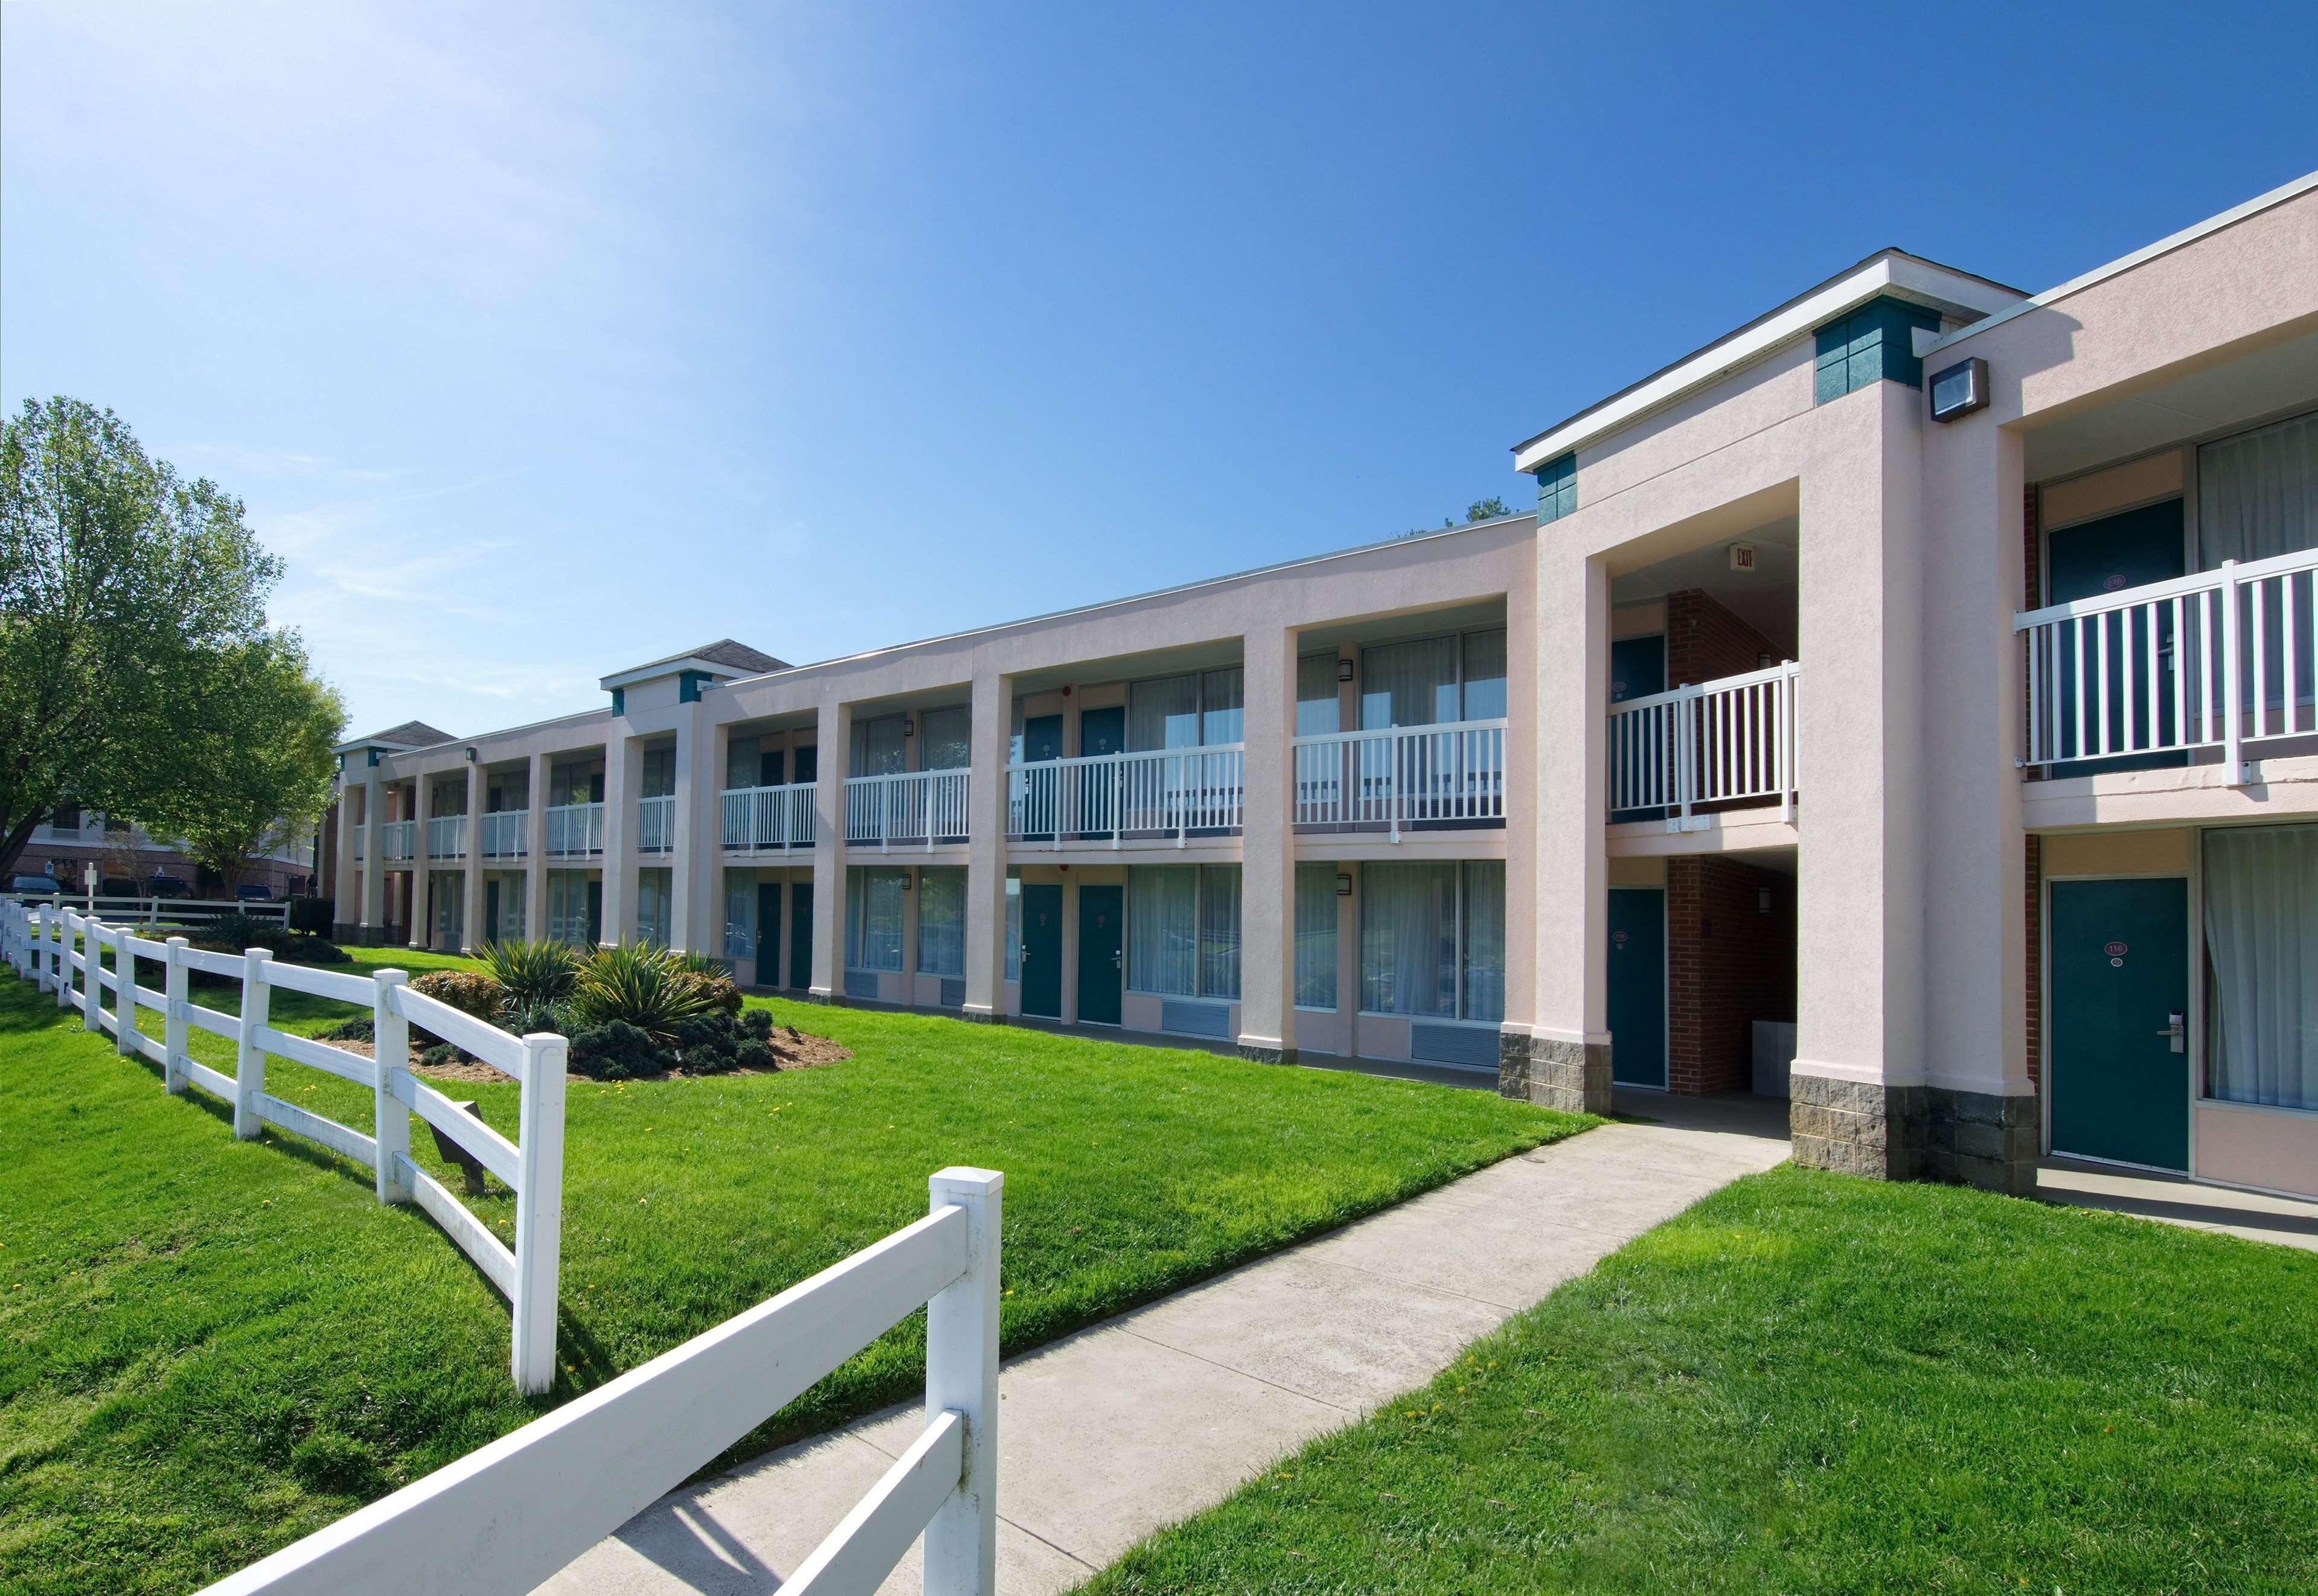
716, 988
314, 950
540, 1017
310, 915
643, 987
616, 1051
443, 1052
467, 991
758, 1023
360, 1028
754, 1053
533, 975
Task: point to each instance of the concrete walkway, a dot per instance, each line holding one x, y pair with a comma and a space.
1110, 1433
2175, 1199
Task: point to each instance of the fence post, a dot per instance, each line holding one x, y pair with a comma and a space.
92, 973
961, 1549
124, 994
2232, 729
176, 992
60, 966
40, 946
538, 1211
248, 1057
390, 1051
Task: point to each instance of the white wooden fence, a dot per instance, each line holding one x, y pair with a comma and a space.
139, 910
1724, 741
51, 944
503, 1519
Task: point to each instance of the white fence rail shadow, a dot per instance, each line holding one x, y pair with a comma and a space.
2221, 660
1729, 740
503, 1519
1448, 775
1154, 793
51, 944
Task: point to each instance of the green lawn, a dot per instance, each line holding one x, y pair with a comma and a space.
1810, 1383
210, 1348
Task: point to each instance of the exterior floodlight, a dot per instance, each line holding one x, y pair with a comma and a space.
1959, 390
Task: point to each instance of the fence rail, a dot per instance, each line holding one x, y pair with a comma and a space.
51, 944
1153, 794
503, 1519
758, 818
2221, 659
575, 830
446, 836
1452, 773
913, 808
505, 834
116, 909
1729, 740
396, 838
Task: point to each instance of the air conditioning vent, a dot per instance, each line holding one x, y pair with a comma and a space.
861, 983
1195, 1020
953, 993
1454, 1045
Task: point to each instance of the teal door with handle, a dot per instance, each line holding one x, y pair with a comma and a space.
769, 932
1638, 986
1101, 732
1101, 968
2118, 961
1042, 949
2092, 560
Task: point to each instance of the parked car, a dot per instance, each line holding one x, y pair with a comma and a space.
169, 886
34, 886
253, 892
118, 886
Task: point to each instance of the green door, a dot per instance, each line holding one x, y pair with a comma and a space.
769, 932
801, 936
596, 908
1042, 949
491, 908
2118, 961
1637, 990
2089, 561
1101, 910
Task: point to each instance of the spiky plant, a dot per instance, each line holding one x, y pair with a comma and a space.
646, 987
534, 975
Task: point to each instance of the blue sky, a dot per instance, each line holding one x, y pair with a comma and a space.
543, 341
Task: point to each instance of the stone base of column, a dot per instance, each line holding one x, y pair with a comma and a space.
1856, 1127
975, 1014
1982, 1139
342, 932
820, 994
1571, 1076
1261, 1050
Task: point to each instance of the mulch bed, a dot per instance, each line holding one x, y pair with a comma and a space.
795, 1050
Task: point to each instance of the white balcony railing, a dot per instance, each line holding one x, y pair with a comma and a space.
1726, 741
575, 830
919, 807
506, 834
757, 818
656, 825
362, 845
396, 838
2222, 659
1448, 775
446, 836
1156, 794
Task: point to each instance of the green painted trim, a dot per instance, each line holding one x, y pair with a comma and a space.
1557, 488
687, 686
619, 701
1873, 344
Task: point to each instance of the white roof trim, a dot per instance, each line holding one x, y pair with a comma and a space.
2124, 264
1891, 271
653, 672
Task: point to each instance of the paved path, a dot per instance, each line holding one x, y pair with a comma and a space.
2258, 1216
1110, 1433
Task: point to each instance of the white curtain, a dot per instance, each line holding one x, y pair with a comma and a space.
660, 771
740, 762
1315, 928
652, 917
1485, 676
873, 917
1162, 928
511, 907
2261, 939
945, 734
1222, 699
877, 746
1316, 713
740, 913
1483, 952
1408, 939
566, 905
2258, 493
1411, 684
1219, 930
1164, 713
941, 920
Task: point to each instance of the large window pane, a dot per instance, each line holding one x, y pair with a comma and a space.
1316, 712
941, 921
1485, 676
2261, 946
660, 773
1163, 714
1411, 684
1316, 935
1222, 695
740, 762
654, 888
944, 733
1484, 951
877, 746
740, 914
1162, 928
1219, 931
873, 917
1408, 939
2258, 493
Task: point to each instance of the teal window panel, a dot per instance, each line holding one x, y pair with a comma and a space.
687, 686
1557, 488
619, 701
1873, 344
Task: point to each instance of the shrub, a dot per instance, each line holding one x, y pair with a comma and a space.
360, 1028
643, 987
442, 1052
312, 914
314, 950
616, 1051
754, 1053
540, 1017
758, 1024
533, 974
467, 991
240, 932
716, 988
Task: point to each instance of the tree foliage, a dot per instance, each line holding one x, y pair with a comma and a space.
131, 602
1480, 509
253, 768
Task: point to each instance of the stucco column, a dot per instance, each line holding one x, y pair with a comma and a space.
624, 779
1521, 761
422, 809
534, 848
1981, 1122
1857, 1083
688, 902
345, 885
991, 741
1267, 904
471, 930
373, 875
1561, 1056
835, 737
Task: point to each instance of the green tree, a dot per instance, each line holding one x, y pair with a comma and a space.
1480, 509
122, 588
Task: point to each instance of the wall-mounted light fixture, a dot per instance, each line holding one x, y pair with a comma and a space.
1959, 390
1344, 886
909, 725
1344, 670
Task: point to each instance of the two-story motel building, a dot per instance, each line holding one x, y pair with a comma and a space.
1924, 670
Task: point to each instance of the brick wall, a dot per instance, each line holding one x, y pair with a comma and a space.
1728, 964
1703, 641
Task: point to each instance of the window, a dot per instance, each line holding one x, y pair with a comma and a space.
1433, 680
2261, 964
740, 914
65, 818
1484, 687
654, 906
660, 773
1316, 712
2258, 495
574, 784
1013, 925
1557, 488
1433, 940
941, 920
944, 736
1186, 711
1222, 695
509, 927
873, 917
570, 916
742, 762
1876, 342
1183, 930
1316, 936
878, 746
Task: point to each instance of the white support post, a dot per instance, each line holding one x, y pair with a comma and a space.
60, 967
248, 1057
176, 993
539, 1211
40, 937
92, 975
961, 1546
124, 995
390, 1051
